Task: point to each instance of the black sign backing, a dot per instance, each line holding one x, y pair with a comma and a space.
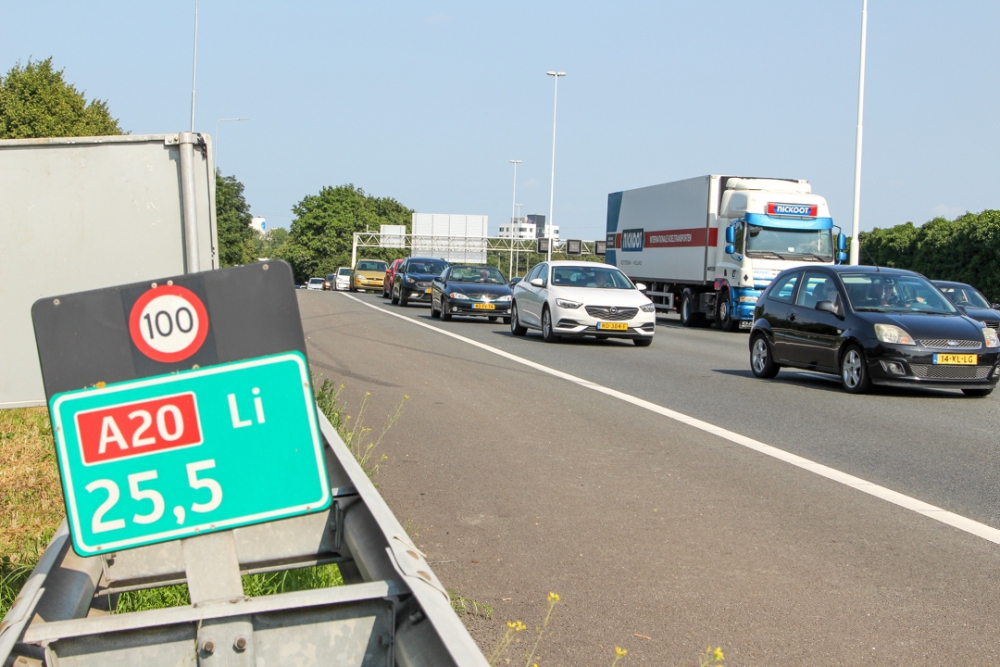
85, 338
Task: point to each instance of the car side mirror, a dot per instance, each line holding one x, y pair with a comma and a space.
995, 306
641, 287
730, 236
828, 307
730, 249
537, 282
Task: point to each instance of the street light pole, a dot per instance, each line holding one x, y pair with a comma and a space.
518, 255
552, 186
513, 204
855, 242
194, 66
217, 144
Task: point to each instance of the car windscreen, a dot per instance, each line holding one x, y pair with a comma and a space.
476, 274
315, 281
371, 266
588, 276
344, 272
429, 267
964, 296
889, 293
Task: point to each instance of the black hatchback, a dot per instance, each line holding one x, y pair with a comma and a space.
412, 281
471, 290
869, 326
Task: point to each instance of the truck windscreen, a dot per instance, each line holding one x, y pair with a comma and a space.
814, 244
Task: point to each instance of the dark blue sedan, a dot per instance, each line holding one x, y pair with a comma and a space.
479, 291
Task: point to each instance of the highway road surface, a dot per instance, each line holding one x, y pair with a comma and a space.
673, 500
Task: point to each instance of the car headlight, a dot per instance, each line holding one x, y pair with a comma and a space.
566, 303
647, 308
889, 333
410, 280
506, 298
992, 340
457, 295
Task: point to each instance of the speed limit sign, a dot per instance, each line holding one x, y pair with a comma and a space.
168, 323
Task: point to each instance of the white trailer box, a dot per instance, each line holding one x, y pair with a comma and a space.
87, 212
454, 238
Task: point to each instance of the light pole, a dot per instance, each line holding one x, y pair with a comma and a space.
513, 204
518, 256
194, 65
222, 120
552, 186
855, 243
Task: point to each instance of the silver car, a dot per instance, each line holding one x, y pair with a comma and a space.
568, 298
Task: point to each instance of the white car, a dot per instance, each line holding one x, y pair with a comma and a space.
343, 279
582, 299
315, 283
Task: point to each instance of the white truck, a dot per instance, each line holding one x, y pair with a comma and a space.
711, 244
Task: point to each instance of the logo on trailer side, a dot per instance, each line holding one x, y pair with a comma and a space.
633, 240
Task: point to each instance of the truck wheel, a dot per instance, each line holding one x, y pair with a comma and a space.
689, 306
724, 313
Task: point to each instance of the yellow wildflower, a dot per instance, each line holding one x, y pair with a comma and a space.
619, 651
553, 597
718, 654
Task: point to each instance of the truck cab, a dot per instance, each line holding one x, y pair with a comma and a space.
769, 225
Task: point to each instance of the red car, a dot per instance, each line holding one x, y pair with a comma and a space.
390, 273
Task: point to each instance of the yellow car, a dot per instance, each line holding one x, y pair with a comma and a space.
368, 274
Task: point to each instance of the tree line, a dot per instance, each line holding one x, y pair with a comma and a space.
966, 250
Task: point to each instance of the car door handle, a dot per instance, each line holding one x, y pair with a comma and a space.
791, 318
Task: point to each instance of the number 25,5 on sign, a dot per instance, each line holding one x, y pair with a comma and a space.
170, 456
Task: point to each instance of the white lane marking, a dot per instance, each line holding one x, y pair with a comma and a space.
902, 500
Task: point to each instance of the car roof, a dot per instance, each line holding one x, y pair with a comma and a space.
850, 268
430, 259
370, 259
571, 262
951, 283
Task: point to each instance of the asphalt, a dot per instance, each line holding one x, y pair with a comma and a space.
659, 537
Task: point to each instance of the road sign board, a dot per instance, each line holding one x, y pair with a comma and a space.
168, 323
177, 455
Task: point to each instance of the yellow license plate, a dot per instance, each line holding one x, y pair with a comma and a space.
427, 291
615, 326
484, 306
957, 359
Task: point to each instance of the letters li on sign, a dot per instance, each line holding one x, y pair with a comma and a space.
181, 406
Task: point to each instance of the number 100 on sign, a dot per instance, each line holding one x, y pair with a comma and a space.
167, 457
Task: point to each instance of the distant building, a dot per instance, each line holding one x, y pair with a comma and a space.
541, 229
258, 224
519, 228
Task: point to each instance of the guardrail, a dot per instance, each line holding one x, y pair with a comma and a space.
391, 610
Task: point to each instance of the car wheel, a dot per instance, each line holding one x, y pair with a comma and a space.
689, 317
515, 324
761, 359
506, 320
724, 313
393, 297
643, 342
401, 299
445, 311
548, 335
434, 311
978, 393
854, 371
385, 294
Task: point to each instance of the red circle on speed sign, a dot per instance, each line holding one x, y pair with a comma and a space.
168, 323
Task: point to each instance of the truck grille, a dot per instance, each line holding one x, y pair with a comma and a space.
604, 313
950, 372
943, 344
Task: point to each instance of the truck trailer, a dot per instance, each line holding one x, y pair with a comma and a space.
711, 244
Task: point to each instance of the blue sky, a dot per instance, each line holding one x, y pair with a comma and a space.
427, 101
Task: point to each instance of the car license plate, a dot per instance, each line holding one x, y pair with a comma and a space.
746, 324
957, 359
484, 306
427, 291
615, 326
